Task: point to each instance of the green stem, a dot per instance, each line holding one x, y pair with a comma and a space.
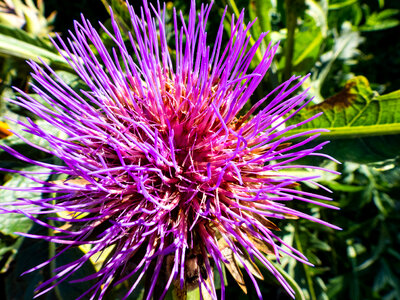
53, 265
306, 267
263, 8
265, 26
348, 132
235, 9
299, 295
52, 248
291, 20
355, 285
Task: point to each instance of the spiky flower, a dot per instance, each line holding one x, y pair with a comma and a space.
164, 171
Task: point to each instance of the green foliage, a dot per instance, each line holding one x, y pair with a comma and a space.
369, 264
15, 42
32, 252
9, 224
381, 20
357, 113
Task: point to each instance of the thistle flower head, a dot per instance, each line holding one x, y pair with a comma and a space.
165, 172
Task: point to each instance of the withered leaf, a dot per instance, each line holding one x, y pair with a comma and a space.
204, 292
76, 181
262, 246
266, 223
232, 266
250, 265
179, 293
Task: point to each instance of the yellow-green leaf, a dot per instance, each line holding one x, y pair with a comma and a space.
363, 125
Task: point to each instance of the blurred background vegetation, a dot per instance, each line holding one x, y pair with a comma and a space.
350, 48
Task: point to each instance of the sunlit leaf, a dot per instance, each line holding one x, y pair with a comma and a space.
341, 4
17, 43
11, 223
363, 125
382, 20
309, 37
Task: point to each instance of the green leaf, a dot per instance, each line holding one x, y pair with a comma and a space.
17, 43
341, 4
380, 280
336, 285
69, 290
22, 35
345, 48
261, 9
33, 252
8, 161
236, 12
382, 20
392, 279
30, 254
292, 282
121, 13
363, 125
336, 186
193, 294
11, 223
309, 38
8, 249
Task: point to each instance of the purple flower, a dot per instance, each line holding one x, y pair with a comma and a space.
164, 171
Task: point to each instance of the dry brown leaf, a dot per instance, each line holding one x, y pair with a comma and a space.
179, 293
266, 223
251, 266
76, 181
262, 246
204, 293
232, 266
